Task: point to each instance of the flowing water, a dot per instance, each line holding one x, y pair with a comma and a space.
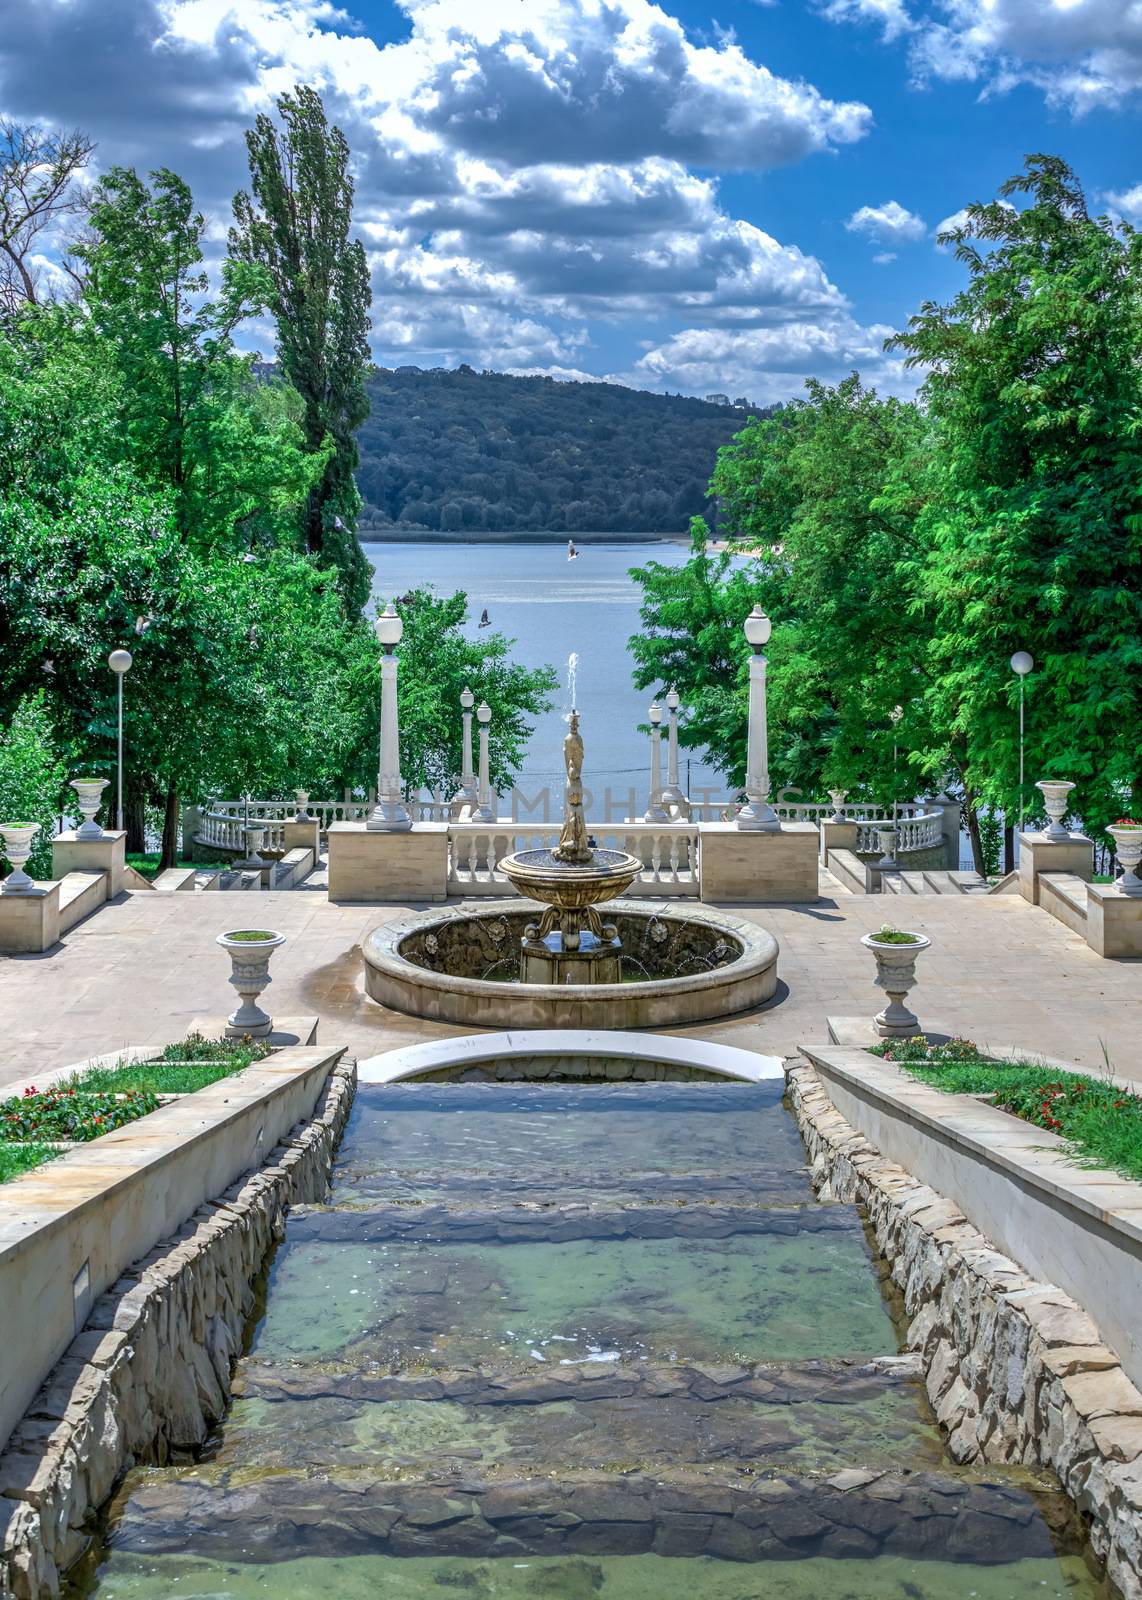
571, 1341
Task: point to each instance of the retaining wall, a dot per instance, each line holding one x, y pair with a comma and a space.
150, 1372
1015, 1369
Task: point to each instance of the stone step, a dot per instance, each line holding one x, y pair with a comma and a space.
853, 1513
941, 882
555, 1187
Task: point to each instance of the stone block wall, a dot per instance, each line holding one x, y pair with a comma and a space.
150, 1373
1014, 1368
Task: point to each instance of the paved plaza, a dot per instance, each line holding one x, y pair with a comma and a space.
144, 967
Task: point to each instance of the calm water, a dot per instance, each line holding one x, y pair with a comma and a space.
579, 1341
553, 607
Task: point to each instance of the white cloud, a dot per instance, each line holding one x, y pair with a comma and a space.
524, 171
1081, 54
957, 220
884, 257
771, 364
890, 222
1126, 203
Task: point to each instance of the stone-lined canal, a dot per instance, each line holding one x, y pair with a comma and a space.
574, 1341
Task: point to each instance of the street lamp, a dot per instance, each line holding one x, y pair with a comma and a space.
894, 717
673, 798
483, 811
120, 663
389, 814
757, 813
466, 795
654, 809
1021, 663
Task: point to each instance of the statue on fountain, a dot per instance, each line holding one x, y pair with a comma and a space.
573, 846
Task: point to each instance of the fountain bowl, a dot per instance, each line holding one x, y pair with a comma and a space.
540, 875
431, 964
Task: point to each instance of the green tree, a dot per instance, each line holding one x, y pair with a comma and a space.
32, 776
437, 661
295, 228
1033, 518
192, 416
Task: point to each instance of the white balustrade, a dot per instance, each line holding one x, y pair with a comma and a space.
668, 852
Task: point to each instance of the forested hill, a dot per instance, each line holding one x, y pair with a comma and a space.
466, 449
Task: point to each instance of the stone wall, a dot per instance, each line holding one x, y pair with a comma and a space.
150, 1373
1014, 1367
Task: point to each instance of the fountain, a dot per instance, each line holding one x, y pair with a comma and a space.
571, 943
652, 963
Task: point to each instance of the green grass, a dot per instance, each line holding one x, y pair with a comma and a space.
181, 1069
17, 1158
1100, 1123
148, 865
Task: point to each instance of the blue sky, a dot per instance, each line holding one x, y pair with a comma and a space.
675, 196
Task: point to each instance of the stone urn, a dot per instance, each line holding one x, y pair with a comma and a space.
895, 974
18, 837
887, 839
837, 796
302, 798
254, 834
1127, 836
250, 950
1055, 798
89, 792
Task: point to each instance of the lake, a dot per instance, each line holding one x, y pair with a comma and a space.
554, 608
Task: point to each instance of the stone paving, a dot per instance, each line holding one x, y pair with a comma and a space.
142, 968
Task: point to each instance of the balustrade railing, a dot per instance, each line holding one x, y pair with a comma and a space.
668, 852
913, 833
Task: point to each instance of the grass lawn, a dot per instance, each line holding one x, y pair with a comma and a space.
17, 1158
181, 1069
1101, 1123
149, 865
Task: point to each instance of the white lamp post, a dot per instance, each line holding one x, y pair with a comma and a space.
389, 815
757, 813
894, 717
483, 811
1021, 663
654, 808
120, 663
466, 794
673, 798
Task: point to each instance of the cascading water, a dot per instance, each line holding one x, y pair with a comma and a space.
572, 683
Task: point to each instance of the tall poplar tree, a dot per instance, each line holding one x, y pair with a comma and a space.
296, 225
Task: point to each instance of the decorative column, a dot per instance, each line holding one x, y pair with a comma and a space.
389, 814
757, 814
675, 801
466, 794
654, 808
483, 811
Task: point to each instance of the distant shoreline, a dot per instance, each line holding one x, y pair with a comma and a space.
483, 536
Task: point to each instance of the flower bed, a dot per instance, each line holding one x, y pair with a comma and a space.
1101, 1122
180, 1069
71, 1114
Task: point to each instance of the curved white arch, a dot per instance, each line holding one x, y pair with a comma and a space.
471, 1049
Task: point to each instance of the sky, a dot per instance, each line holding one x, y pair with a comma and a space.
686, 197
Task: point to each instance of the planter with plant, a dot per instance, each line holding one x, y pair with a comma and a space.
89, 792
1127, 836
895, 951
250, 950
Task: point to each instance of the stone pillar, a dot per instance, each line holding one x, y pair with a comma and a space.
673, 797
837, 836
655, 811
1113, 921
190, 827
949, 811
484, 811
758, 867
389, 813
107, 853
302, 836
381, 867
29, 922
757, 815
466, 795
1039, 853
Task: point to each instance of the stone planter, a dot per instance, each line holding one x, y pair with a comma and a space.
1128, 849
1055, 798
254, 834
302, 798
887, 840
250, 975
90, 795
18, 837
837, 796
895, 974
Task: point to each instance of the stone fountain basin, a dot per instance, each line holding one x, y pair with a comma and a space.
540, 875
429, 965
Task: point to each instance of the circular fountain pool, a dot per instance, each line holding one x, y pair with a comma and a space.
679, 965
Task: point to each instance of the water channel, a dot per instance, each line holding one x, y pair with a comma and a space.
579, 1340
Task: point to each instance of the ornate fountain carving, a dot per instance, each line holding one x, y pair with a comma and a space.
570, 943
